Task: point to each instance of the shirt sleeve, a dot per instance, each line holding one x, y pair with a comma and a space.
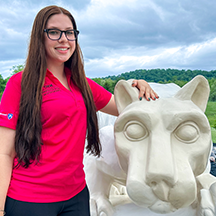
9, 107
101, 95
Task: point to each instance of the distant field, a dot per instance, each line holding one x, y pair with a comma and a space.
211, 112
211, 115
213, 131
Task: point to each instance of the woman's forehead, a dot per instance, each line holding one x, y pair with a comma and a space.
61, 21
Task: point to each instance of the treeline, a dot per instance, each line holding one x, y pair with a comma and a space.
3, 81
179, 77
2, 84
164, 75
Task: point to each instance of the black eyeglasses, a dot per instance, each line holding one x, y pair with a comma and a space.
55, 34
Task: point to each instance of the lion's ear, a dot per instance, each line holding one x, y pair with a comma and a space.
125, 94
197, 90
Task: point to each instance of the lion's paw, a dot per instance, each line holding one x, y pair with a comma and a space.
100, 207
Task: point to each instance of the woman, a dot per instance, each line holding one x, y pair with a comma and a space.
45, 113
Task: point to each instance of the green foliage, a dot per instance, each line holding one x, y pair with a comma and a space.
2, 85
164, 75
108, 84
179, 77
16, 69
211, 113
213, 132
212, 83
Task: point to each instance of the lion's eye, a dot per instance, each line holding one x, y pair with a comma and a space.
187, 132
135, 131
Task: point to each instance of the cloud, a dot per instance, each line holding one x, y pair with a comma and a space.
6, 66
119, 36
199, 56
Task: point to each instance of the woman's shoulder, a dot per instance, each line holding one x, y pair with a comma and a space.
16, 78
92, 83
14, 81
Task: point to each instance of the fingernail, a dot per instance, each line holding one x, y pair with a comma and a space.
149, 99
140, 98
132, 83
155, 98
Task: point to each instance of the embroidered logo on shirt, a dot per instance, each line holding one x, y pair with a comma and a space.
3, 114
48, 89
10, 116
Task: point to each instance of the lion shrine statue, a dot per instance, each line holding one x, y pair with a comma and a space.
155, 155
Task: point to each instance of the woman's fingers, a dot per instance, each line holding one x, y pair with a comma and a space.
145, 90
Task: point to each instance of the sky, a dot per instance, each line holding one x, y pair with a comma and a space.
118, 36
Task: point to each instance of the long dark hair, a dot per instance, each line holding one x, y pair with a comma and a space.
28, 131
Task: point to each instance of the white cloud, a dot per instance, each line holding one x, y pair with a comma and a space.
140, 58
123, 35
6, 66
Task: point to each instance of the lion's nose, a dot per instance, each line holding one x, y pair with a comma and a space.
161, 190
160, 172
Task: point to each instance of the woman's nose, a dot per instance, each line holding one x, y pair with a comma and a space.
63, 37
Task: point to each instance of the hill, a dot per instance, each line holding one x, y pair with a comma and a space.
163, 75
179, 77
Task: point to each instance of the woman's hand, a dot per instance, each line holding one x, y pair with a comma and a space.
2, 212
145, 90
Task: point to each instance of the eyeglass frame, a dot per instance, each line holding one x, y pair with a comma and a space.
74, 30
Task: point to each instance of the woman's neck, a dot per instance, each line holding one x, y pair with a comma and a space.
57, 70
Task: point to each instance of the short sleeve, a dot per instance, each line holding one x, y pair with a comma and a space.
101, 95
9, 107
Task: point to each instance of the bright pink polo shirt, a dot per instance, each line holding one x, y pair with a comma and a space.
59, 175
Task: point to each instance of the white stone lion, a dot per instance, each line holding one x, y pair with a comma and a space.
155, 156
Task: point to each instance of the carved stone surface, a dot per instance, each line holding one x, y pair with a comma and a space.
154, 158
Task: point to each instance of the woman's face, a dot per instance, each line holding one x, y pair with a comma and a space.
59, 51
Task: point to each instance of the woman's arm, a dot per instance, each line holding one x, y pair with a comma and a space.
7, 154
111, 107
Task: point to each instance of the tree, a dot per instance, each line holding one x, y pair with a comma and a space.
17, 68
2, 85
212, 83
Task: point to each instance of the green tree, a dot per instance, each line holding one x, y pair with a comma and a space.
17, 68
109, 85
212, 84
2, 85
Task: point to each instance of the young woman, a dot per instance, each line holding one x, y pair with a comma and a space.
45, 113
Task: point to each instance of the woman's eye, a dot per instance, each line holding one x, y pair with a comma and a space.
70, 32
54, 32
187, 132
135, 131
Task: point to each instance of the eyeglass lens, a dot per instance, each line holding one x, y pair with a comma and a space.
55, 34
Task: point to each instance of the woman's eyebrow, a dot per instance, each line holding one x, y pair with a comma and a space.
54, 27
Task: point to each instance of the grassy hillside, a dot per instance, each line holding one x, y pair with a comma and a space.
211, 114
213, 131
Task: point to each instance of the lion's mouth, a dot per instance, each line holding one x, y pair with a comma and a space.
162, 207
145, 196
